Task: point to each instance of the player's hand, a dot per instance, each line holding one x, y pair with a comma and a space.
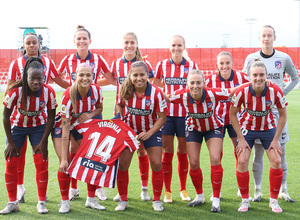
269, 82
144, 136
241, 148
84, 117
43, 149
63, 166
10, 151
275, 145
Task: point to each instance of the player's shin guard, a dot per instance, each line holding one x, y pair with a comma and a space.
183, 169
41, 175
21, 164
157, 184
144, 170
73, 181
197, 179
64, 185
275, 182
216, 179
167, 169
11, 178
243, 183
91, 190
122, 182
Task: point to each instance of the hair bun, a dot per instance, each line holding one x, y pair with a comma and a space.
79, 26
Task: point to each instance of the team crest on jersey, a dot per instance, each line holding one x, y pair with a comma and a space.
93, 101
209, 105
278, 64
92, 65
73, 76
148, 102
268, 103
186, 70
42, 104
45, 68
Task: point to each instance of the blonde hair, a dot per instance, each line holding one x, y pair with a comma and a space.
185, 54
198, 72
138, 52
127, 88
74, 88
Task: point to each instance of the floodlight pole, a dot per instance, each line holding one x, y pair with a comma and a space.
250, 21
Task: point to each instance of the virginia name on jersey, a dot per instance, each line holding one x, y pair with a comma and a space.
175, 77
201, 114
96, 161
257, 115
36, 106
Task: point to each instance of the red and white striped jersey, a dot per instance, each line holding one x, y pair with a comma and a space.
174, 77
257, 115
215, 80
87, 104
70, 62
140, 112
36, 106
120, 69
201, 114
96, 161
16, 68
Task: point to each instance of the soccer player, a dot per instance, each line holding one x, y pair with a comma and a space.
80, 102
69, 64
202, 122
119, 69
29, 111
257, 122
31, 47
171, 74
277, 63
142, 106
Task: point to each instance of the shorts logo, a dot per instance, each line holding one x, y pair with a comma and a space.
159, 139
268, 103
57, 131
187, 133
93, 101
209, 105
148, 102
278, 64
186, 70
217, 132
42, 104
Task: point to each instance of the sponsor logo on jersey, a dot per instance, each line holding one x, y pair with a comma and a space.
273, 76
258, 113
137, 111
148, 102
228, 100
201, 115
77, 115
94, 165
278, 64
29, 113
175, 81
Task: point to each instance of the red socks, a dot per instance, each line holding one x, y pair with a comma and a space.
144, 170
216, 179
183, 168
122, 182
243, 183
275, 177
21, 164
167, 170
91, 190
64, 184
157, 184
11, 178
73, 181
41, 175
197, 179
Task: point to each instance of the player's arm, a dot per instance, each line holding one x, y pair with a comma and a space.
110, 78
86, 116
158, 82
65, 125
120, 109
10, 147
292, 72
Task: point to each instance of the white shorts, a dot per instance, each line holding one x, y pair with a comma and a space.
285, 132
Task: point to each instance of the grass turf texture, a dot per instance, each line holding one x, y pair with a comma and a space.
178, 209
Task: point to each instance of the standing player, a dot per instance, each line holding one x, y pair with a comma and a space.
202, 122
257, 122
171, 74
29, 111
226, 78
69, 64
143, 108
120, 68
31, 47
80, 102
277, 64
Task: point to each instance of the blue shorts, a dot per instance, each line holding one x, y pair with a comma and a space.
197, 136
76, 135
230, 131
266, 137
154, 141
174, 125
35, 135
